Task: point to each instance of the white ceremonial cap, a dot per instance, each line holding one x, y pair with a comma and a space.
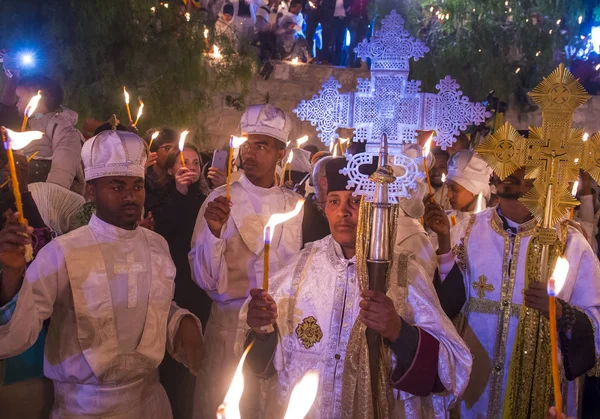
114, 153
471, 172
266, 120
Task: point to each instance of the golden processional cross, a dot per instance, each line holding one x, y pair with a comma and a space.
553, 154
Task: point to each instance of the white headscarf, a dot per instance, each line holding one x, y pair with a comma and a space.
471, 172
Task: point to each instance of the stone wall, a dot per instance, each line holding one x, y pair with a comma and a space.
286, 87
289, 84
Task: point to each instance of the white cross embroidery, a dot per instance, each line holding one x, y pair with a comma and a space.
130, 268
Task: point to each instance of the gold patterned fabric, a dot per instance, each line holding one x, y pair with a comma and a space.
529, 388
356, 389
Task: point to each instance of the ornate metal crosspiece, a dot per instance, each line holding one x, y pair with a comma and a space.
553, 154
390, 103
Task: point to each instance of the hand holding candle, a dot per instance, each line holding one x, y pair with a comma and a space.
274, 220
234, 142
30, 109
182, 138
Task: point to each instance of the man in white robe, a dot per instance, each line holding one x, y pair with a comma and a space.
228, 244
108, 290
484, 281
317, 307
468, 177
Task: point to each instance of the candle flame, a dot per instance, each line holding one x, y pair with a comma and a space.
331, 146
33, 103
182, 137
559, 275
586, 136
443, 178
20, 140
153, 9
216, 53
303, 396
302, 140
575, 188
295, 60
480, 204
290, 157
235, 142
230, 408
335, 151
139, 114
276, 219
311, 4
155, 135
205, 33
126, 95
188, 16
427, 146
344, 140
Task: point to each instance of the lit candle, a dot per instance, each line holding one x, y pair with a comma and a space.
216, 53
303, 396
154, 137
234, 142
555, 284
426, 149
230, 408
139, 114
182, 137
30, 109
300, 141
127, 104
290, 164
16, 141
274, 220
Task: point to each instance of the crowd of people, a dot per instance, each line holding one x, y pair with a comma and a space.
319, 31
147, 278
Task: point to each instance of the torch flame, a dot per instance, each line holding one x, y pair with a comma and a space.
20, 140
235, 142
427, 146
126, 95
182, 137
33, 103
575, 188
280, 218
303, 396
480, 204
443, 178
559, 275
302, 140
230, 408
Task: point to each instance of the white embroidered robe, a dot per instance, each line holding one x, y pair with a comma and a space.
109, 295
227, 268
495, 297
322, 284
412, 237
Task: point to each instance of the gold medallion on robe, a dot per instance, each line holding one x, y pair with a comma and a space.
309, 332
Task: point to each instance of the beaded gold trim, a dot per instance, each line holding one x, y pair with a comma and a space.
484, 306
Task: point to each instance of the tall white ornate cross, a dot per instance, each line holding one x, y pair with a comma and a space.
389, 103
130, 268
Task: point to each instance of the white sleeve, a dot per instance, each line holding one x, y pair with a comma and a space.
207, 255
35, 301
